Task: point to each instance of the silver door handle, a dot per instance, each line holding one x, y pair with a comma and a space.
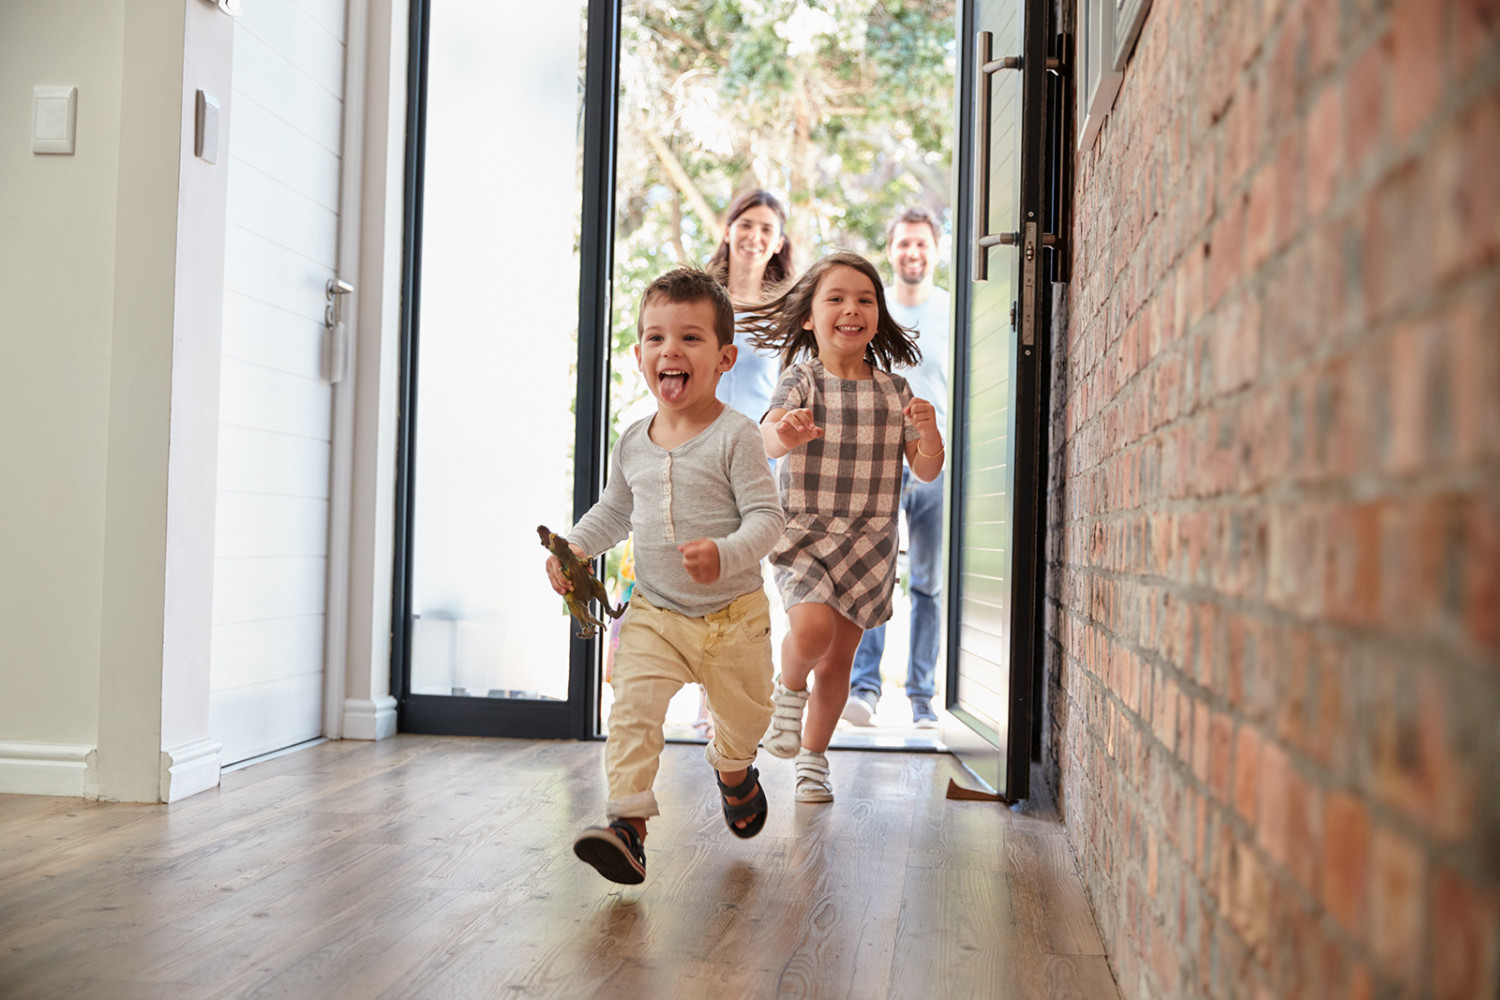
983, 239
335, 331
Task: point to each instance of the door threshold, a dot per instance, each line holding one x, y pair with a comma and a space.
881, 738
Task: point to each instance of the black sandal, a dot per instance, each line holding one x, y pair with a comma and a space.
615, 851
752, 807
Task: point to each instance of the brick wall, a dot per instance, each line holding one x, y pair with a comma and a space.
1273, 613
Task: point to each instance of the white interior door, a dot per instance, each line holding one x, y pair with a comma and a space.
275, 431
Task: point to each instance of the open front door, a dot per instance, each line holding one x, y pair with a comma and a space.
999, 412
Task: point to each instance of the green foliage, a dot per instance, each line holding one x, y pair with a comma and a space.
843, 108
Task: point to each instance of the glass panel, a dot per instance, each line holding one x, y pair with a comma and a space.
988, 491
498, 345
844, 114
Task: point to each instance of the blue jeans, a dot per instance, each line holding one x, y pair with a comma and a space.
923, 504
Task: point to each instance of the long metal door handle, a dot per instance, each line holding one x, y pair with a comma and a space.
983, 239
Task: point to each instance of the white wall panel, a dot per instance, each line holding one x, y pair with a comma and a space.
271, 145
276, 419
270, 649
281, 215
260, 269
272, 337
285, 464
262, 524
287, 92
251, 589
292, 32
264, 717
255, 396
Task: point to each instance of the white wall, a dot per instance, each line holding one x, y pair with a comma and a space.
109, 337
57, 261
111, 278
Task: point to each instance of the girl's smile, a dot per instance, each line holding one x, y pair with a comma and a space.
843, 317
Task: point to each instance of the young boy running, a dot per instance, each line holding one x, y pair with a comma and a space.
692, 483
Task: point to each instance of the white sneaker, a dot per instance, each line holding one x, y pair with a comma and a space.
812, 778
859, 710
784, 738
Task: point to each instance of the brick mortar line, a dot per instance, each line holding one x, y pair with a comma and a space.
1360, 334
1461, 861
1437, 645
1350, 191
1209, 898
1323, 775
1462, 855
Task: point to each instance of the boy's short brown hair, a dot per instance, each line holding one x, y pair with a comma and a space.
685, 285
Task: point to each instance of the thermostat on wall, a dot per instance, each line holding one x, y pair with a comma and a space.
55, 119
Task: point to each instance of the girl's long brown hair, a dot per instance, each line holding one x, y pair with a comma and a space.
778, 323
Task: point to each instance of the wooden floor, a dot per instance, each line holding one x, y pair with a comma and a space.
439, 867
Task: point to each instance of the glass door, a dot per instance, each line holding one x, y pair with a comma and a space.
1000, 395
509, 167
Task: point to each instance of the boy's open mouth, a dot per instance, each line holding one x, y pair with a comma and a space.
673, 383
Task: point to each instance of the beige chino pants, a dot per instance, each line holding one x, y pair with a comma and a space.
728, 652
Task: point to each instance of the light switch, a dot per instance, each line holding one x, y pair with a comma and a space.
55, 121
206, 135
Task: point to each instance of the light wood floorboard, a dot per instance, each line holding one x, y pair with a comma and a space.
437, 867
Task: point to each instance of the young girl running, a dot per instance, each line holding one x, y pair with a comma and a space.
844, 423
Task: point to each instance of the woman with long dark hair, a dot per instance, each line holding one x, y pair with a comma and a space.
754, 261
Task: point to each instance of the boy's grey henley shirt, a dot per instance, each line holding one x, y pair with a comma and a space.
717, 485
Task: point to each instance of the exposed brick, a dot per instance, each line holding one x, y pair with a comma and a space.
1397, 898
1260, 217
1272, 811
1325, 150
1276, 436
1246, 772
1464, 938
1220, 733
1417, 60
1476, 32
1346, 860
1353, 559
1365, 101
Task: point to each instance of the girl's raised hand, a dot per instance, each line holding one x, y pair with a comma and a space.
796, 428
923, 414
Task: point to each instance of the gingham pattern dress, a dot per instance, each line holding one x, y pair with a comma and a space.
842, 492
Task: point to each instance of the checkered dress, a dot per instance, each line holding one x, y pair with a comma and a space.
842, 492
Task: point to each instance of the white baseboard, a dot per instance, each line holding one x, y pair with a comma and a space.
48, 769
190, 768
369, 719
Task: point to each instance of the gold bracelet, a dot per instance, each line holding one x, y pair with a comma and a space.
924, 454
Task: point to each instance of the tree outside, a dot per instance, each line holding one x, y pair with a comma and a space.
842, 108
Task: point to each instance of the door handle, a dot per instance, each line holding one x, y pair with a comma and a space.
987, 67
335, 331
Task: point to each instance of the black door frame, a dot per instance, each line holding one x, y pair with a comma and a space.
578, 716
1032, 379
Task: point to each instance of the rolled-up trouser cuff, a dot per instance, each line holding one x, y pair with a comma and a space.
641, 805
720, 762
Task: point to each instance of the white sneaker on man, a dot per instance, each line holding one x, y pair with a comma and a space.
859, 710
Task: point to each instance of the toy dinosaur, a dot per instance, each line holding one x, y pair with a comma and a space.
586, 585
